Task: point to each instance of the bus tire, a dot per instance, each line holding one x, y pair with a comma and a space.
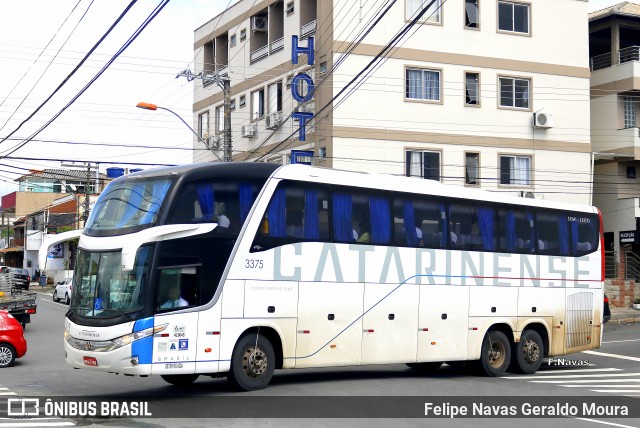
425, 367
528, 353
7, 355
180, 379
252, 366
495, 354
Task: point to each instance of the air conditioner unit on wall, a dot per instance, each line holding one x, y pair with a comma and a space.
273, 120
248, 131
543, 120
259, 23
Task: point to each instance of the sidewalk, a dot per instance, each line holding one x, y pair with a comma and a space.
624, 316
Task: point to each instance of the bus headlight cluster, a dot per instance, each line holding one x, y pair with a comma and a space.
110, 345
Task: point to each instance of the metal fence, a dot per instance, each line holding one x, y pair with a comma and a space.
610, 265
632, 266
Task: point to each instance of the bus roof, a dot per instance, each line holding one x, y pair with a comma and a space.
413, 185
209, 169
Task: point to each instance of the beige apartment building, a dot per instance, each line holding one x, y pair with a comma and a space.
614, 49
481, 93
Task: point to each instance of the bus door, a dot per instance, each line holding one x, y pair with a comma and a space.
329, 331
581, 321
174, 348
390, 323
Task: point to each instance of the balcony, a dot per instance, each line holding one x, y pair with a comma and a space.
277, 45
259, 53
629, 54
308, 29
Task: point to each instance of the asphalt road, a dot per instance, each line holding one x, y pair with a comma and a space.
613, 372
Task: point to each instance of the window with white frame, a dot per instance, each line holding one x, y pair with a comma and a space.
472, 169
232, 40
243, 101
472, 89
274, 95
257, 104
514, 17
629, 112
432, 15
203, 124
423, 164
515, 170
514, 92
422, 84
243, 34
289, 8
471, 14
219, 119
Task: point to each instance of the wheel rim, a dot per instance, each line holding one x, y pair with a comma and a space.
5, 356
54, 296
531, 351
497, 354
254, 362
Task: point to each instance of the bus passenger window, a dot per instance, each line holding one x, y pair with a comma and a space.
585, 233
419, 223
552, 233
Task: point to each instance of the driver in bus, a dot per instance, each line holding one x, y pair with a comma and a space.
174, 298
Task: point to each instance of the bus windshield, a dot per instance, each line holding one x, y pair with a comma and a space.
125, 204
103, 290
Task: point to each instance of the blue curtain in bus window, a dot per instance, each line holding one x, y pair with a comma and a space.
532, 235
444, 227
245, 193
310, 227
277, 214
563, 229
380, 214
205, 199
510, 231
158, 191
133, 205
409, 224
342, 229
574, 236
486, 222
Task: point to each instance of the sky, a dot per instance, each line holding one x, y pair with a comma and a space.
102, 125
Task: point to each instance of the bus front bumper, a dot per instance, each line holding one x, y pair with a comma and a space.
120, 360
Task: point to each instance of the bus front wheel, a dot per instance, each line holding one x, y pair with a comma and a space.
252, 363
180, 379
495, 354
528, 353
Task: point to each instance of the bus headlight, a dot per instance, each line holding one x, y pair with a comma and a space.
127, 339
110, 345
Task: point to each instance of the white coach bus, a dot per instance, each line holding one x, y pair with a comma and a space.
241, 269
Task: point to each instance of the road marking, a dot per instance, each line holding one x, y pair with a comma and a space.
613, 390
7, 393
620, 341
572, 376
604, 422
19, 423
587, 381
600, 386
604, 354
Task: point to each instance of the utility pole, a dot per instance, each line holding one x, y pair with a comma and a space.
87, 185
224, 83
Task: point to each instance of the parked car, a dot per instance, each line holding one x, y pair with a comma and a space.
12, 342
21, 277
63, 290
606, 313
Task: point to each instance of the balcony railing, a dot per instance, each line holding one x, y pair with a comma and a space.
632, 53
628, 54
307, 29
599, 62
259, 53
277, 45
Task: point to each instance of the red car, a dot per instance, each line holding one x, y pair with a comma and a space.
12, 342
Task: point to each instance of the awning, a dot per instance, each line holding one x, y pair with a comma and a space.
12, 250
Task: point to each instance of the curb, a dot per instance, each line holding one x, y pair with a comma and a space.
625, 321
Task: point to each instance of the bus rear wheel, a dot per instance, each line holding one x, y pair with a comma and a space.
180, 379
495, 354
252, 363
528, 353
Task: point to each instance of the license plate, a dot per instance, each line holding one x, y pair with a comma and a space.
90, 361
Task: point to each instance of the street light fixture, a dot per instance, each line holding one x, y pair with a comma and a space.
149, 106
